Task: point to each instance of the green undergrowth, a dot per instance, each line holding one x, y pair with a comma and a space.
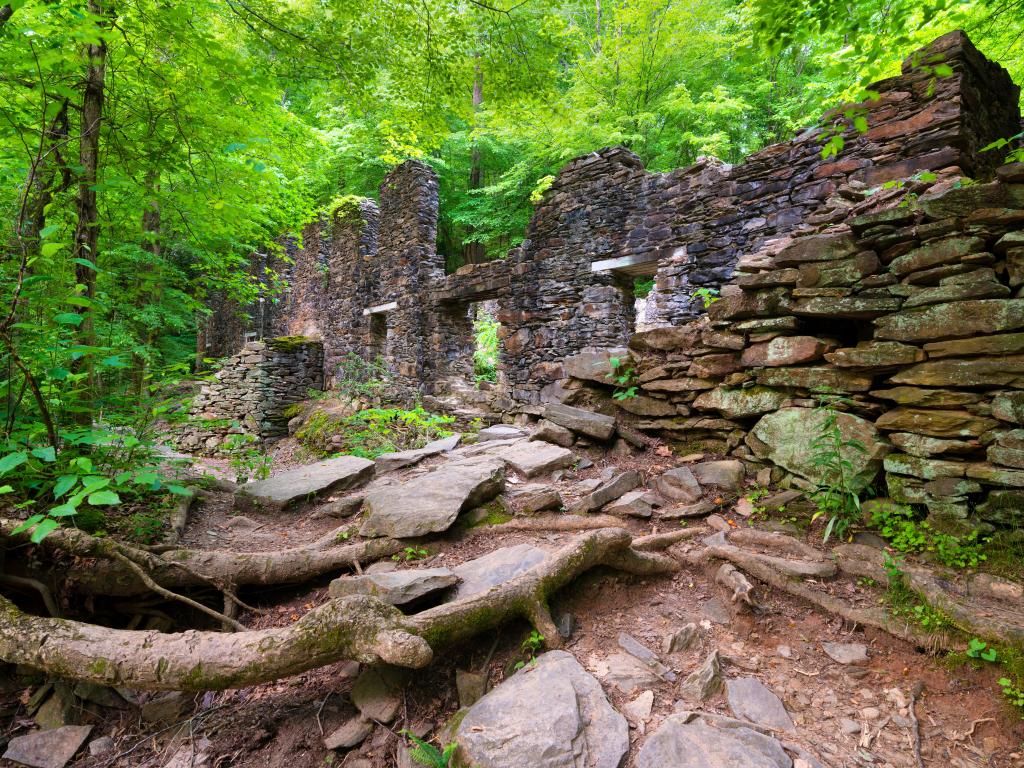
372, 431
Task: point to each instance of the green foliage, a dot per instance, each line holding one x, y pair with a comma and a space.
485, 351
708, 296
899, 524
373, 431
248, 462
1014, 154
836, 499
429, 755
411, 554
1014, 694
529, 647
358, 378
624, 374
904, 602
979, 649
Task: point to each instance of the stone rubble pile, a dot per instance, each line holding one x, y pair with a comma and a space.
911, 309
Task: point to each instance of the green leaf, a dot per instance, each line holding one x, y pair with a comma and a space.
860, 123
47, 454
64, 510
6, 489
50, 249
12, 460
179, 490
45, 232
86, 263
104, 498
68, 318
64, 484
943, 70
95, 483
28, 523
44, 529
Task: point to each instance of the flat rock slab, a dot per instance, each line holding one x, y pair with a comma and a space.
500, 432
681, 744
550, 714
430, 502
609, 491
48, 749
626, 672
679, 484
846, 653
536, 457
304, 483
580, 421
395, 587
389, 462
495, 568
751, 700
377, 693
350, 733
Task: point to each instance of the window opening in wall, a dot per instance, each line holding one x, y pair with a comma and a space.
378, 334
485, 340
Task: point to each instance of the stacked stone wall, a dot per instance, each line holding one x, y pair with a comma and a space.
252, 392
910, 311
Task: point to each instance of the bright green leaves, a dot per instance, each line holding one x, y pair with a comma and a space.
12, 460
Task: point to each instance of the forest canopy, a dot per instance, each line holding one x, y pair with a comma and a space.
148, 149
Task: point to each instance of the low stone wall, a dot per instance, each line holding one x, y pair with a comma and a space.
252, 392
911, 309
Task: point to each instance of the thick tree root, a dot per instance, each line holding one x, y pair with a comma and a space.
185, 568
359, 627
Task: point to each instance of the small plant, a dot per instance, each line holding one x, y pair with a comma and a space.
429, 755
411, 554
897, 523
543, 185
1014, 695
357, 378
979, 649
1016, 155
533, 643
906, 603
708, 296
625, 378
248, 462
836, 497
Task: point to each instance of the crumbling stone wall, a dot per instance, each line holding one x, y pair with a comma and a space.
252, 392
911, 309
387, 292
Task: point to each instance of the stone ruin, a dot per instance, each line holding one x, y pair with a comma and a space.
368, 279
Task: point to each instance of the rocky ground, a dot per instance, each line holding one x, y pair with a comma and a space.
678, 670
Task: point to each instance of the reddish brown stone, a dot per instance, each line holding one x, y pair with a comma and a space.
784, 350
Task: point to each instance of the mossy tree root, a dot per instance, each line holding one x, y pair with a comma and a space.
178, 569
357, 627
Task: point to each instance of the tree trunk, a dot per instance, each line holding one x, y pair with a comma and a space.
152, 243
474, 251
87, 228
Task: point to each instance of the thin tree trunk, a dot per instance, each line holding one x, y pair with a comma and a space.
87, 228
152, 243
474, 251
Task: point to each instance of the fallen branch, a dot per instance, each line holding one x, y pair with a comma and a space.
355, 627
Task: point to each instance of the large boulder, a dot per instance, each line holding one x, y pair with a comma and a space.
550, 714
430, 503
681, 742
785, 437
304, 483
532, 458
594, 364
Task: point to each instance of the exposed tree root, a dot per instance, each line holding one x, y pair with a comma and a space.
788, 577
557, 523
358, 627
184, 568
